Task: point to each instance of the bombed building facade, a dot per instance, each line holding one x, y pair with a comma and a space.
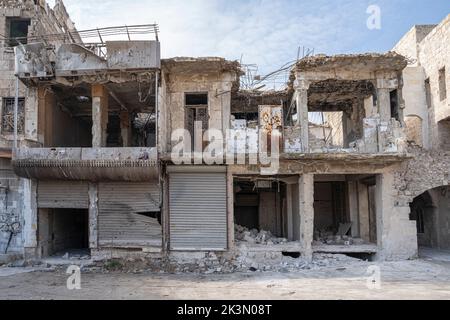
110, 149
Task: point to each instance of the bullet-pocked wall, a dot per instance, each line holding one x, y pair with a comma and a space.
11, 200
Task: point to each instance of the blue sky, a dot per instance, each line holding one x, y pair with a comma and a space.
264, 32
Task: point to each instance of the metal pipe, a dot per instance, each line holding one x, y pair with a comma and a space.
16, 110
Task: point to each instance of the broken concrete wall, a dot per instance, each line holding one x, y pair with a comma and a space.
334, 119
43, 21
218, 87
58, 128
396, 234
10, 208
425, 171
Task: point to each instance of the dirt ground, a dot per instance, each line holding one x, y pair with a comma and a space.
425, 278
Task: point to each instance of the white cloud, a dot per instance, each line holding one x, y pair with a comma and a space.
264, 32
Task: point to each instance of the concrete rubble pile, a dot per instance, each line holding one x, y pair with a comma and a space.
212, 263
333, 239
254, 236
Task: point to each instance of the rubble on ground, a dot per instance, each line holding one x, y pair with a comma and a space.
254, 236
330, 238
212, 263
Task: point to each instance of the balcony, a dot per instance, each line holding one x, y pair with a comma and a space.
88, 164
377, 137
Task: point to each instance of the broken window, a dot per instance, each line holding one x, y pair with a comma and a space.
8, 116
18, 31
444, 134
291, 116
326, 129
394, 105
196, 110
144, 130
442, 85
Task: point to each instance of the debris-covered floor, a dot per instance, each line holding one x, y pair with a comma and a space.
426, 278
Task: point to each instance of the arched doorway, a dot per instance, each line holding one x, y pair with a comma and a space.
431, 211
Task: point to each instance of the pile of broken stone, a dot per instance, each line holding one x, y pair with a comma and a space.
335, 239
254, 236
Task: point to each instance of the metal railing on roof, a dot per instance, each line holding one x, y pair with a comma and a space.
96, 36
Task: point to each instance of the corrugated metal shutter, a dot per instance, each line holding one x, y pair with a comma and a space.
62, 194
124, 210
198, 211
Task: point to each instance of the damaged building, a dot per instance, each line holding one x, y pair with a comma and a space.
88, 144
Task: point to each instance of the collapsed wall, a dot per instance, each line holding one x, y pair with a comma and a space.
426, 170
40, 20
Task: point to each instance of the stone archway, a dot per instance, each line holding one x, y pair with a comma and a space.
425, 213
423, 185
431, 211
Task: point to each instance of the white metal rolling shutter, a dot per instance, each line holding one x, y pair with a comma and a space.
62, 194
121, 218
198, 211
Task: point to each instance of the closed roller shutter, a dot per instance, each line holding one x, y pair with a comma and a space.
62, 194
198, 211
128, 214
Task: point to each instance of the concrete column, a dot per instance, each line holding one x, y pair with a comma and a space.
384, 104
93, 215
230, 209
396, 234
289, 213
306, 208
363, 208
99, 115
301, 90
165, 213
41, 115
30, 218
353, 207
125, 128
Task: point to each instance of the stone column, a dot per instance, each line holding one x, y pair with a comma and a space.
230, 209
363, 209
125, 128
353, 207
289, 213
99, 115
301, 90
93, 215
306, 208
30, 218
396, 234
384, 104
